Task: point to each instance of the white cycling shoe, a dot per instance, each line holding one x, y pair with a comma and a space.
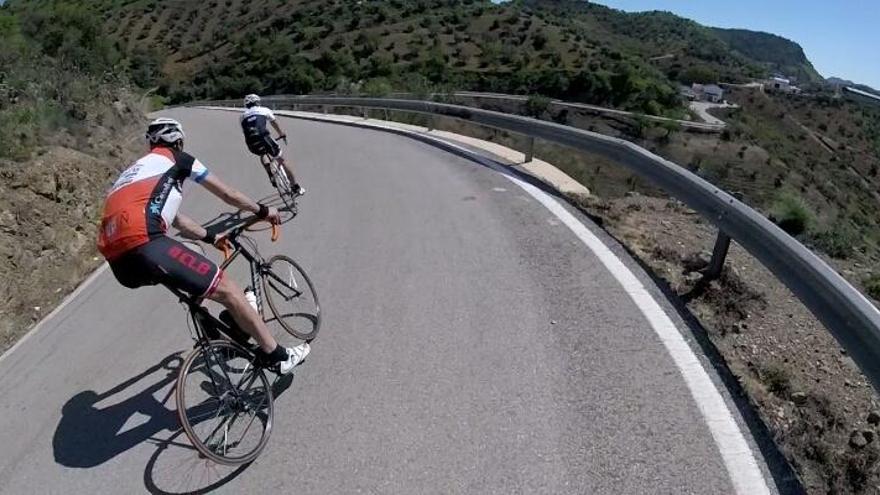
295, 356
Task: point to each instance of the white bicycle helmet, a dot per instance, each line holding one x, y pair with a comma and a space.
251, 99
164, 130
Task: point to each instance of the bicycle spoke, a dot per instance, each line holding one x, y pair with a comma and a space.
219, 426
292, 285
253, 417
252, 374
296, 293
225, 438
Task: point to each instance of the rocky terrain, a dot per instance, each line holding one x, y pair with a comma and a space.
49, 207
819, 408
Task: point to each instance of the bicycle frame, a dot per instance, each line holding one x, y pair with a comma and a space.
255, 261
278, 173
197, 311
200, 315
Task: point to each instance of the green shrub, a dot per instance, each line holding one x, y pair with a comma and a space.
18, 132
157, 102
838, 241
537, 105
699, 74
792, 214
777, 380
377, 87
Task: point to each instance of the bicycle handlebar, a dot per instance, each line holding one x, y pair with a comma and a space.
223, 244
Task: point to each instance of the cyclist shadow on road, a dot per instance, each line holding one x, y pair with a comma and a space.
89, 435
177, 468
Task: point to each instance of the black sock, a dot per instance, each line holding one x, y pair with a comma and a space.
278, 355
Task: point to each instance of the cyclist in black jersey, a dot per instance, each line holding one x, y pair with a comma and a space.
255, 123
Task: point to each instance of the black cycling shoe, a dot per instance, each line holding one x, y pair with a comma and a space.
299, 190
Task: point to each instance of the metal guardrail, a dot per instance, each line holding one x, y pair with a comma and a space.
850, 317
859, 95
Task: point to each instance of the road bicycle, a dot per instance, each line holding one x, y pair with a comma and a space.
225, 402
279, 179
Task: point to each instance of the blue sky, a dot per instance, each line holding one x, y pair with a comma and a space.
840, 37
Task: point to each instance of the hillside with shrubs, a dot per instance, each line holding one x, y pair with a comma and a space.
572, 50
68, 121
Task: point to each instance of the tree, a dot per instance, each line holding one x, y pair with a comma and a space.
377, 87
699, 74
537, 105
539, 41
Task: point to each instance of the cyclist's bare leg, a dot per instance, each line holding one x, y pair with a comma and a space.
288, 169
265, 161
230, 295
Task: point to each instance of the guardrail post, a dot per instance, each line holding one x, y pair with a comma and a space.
385, 110
324, 109
719, 254
364, 112
530, 150
432, 124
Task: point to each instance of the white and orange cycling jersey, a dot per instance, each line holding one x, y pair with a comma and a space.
144, 200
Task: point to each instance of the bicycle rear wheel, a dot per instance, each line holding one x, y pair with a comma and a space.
224, 403
292, 297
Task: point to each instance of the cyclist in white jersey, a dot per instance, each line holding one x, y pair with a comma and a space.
254, 123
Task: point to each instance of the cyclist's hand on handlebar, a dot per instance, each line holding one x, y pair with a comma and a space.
223, 245
274, 217
220, 239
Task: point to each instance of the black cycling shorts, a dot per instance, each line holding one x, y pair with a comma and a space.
166, 261
263, 145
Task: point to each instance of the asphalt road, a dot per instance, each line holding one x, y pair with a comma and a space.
470, 344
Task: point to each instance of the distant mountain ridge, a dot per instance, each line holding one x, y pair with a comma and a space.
774, 52
570, 49
837, 81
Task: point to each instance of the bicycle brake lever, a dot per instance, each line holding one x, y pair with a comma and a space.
224, 246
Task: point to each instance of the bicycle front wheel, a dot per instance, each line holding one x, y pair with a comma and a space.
292, 297
224, 403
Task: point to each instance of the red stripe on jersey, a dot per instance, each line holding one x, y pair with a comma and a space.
123, 224
164, 151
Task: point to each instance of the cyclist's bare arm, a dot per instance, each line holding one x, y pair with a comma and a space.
235, 198
189, 228
277, 128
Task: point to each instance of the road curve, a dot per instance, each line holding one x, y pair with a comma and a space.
470, 344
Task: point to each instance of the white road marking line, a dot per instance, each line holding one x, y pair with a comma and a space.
745, 474
67, 300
